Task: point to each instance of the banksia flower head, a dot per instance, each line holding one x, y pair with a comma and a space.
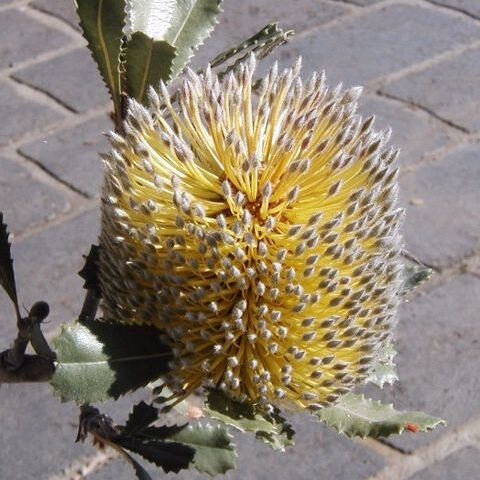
258, 231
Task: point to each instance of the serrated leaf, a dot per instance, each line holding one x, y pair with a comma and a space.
273, 430
140, 472
282, 438
241, 416
147, 62
184, 24
170, 456
383, 367
413, 277
356, 415
7, 275
214, 452
140, 418
102, 22
98, 360
89, 272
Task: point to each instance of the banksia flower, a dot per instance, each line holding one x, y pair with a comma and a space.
258, 231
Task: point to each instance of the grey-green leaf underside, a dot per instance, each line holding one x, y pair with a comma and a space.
183, 24
355, 415
383, 367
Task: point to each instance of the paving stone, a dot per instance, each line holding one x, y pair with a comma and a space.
72, 155
457, 466
72, 78
443, 220
38, 432
46, 266
359, 49
22, 38
416, 134
438, 343
21, 115
471, 7
25, 201
317, 448
59, 8
242, 19
449, 88
362, 3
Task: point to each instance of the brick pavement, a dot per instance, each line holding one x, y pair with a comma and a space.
419, 61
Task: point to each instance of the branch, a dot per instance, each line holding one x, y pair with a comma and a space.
34, 368
12, 359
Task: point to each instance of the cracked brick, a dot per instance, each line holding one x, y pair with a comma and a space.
21, 115
73, 79
442, 224
450, 89
22, 38
72, 154
25, 201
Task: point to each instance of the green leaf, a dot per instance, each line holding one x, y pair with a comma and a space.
270, 429
282, 438
7, 275
89, 272
262, 43
184, 24
147, 62
383, 367
241, 416
214, 452
170, 456
356, 415
98, 360
140, 472
102, 22
413, 277
141, 417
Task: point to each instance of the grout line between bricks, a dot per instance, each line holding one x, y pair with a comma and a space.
43, 57
86, 206
39, 8
403, 467
55, 177
62, 124
37, 95
52, 22
59, 103
380, 82
445, 121
83, 467
13, 5
460, 10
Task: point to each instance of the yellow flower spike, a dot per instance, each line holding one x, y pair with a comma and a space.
258, 231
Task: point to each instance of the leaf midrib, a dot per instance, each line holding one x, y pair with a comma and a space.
116, 360
187, 17
104, 48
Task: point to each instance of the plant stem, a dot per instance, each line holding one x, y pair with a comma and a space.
34, 368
